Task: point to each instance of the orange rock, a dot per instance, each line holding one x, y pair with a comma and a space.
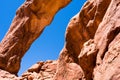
30, 20
91, 50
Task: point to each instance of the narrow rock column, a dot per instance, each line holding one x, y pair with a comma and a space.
29, 22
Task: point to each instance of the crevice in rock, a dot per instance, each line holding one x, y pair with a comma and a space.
111, 35
87, 59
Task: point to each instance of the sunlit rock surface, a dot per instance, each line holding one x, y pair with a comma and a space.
30, 20
91, 50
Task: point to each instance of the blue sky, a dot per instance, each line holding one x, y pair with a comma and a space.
50, 43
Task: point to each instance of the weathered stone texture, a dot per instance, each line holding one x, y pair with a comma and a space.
91, 50
41, 71
29, 22
107, 38
81, 28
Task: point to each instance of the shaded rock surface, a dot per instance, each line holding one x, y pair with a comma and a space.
91, 50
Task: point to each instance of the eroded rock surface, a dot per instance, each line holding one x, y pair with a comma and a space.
108, 58
41, 71
4, 75
91, 50
81, 28
29, 22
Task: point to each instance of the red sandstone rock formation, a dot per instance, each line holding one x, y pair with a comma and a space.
41, 71
29, 22
81, 28
91, 50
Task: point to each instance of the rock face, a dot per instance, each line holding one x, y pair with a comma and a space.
108, 58
91, 50
29, 22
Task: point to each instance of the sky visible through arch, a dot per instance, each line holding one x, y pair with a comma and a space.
50, 43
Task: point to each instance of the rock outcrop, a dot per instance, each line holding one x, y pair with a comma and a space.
91, 50
41, 71
107, 39
81, 28
29, 22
